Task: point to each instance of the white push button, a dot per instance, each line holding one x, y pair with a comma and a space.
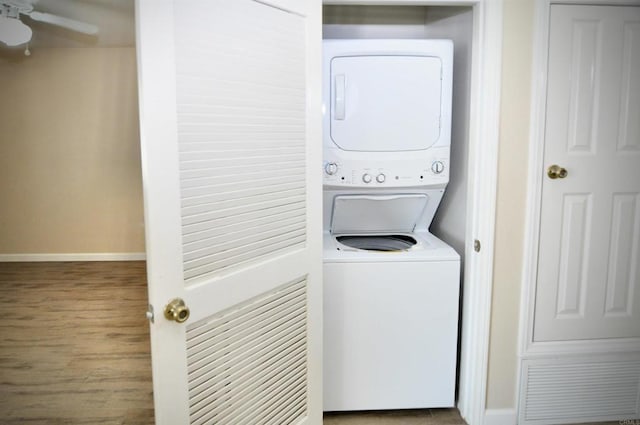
380, 178
366, 178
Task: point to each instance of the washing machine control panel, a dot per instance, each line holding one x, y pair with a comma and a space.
398, 170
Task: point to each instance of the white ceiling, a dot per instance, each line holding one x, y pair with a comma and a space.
115, 19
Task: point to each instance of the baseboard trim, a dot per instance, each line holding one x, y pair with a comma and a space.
93, 256
500, 417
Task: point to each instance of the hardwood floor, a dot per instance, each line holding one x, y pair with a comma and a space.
74, 344
74, 349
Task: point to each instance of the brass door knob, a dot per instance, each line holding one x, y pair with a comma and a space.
556, 172
177, 310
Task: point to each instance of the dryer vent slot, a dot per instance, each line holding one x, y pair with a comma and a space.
378, 242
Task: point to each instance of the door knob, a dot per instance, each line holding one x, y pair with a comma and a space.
556, 172
177, 310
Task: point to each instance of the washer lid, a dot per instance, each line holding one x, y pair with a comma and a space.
385, 103
367, 214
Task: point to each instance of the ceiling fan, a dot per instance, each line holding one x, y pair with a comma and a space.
13, 32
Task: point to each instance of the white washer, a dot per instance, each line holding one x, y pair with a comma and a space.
390, 287
391, 313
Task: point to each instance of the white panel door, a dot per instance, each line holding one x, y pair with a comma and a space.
588, 271
230, 133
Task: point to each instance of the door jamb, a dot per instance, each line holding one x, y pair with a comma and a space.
482, 178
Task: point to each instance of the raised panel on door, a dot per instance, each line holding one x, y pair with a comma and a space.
229, 107
588, 284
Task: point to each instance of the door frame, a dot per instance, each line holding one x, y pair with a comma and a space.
482, 167
527, 347
482, 181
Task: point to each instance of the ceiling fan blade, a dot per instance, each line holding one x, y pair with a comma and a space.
71, 24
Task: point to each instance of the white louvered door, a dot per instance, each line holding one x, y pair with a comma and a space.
230, 133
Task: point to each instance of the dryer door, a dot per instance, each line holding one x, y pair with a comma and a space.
385, 103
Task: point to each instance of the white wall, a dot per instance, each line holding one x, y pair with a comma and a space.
420, 22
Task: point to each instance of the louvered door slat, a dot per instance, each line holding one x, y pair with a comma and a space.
234, 327
193, 177
200, 167
197, 101
243, 152
250, 382
236, 245
273, 411
238, 401
239, 230
243, 361
251, 378
217, 106
213, 176
233, 184
240, 238
198, 123
201, 178
235, 206
206, 225
245, 248
206, 184
241, 256
237, 194
245, 374
206, 363
196, 333
298, 406
266, 409
197, 111
227, 144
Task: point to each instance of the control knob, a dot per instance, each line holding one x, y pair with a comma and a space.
380, 178
366, 178
437, 167
331, 168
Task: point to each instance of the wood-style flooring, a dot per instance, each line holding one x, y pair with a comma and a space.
398, 417
74, 344
74, 349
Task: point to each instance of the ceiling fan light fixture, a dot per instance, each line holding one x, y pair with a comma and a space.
13, 32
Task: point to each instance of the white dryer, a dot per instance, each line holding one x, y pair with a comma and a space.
391, 288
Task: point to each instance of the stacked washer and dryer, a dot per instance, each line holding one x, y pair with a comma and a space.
390, 287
